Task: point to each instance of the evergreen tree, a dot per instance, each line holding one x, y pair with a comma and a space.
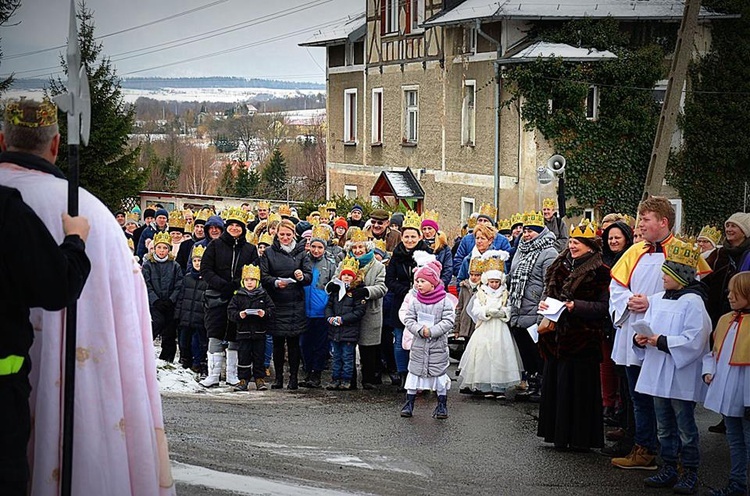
227, 182
7, 9
274, 176
247, 183
108, 164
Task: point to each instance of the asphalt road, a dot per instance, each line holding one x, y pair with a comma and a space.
324, 442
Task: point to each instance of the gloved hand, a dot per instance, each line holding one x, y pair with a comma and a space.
360, 293
163, 305
494, 312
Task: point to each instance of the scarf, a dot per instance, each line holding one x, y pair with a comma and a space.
527, 254
434, 296
156, 257
288, 248
364, 259
566, 274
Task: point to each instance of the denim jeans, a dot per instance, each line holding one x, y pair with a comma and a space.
401, 355
678, 434
738, 437
643, 408
269, 350
314, 345
342, 366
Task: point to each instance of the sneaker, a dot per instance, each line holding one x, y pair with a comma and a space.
260, 385
639, 458
621, 448
732, 489
241, 386
666, 477
688, 482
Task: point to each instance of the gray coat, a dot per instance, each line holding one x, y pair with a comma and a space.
560, 230
429, 357
372, 322
526, 316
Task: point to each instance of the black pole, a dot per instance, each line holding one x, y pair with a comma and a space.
70, 344
561, 196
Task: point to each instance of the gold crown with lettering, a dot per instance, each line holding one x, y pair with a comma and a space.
234, 213
198, 251
321, 232
431, 215
549, 203
265, 239
251, 272
516, 219
533, 219
264, 204
380, 245
503, 225
358, 235
176, 219
488, 210
350, 263
683, 253
584, 229
412, 220
162, 237
712, 233
331, 205
285, 210
476, 265
202, 215
40, 115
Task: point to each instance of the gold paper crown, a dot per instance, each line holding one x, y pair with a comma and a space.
176, 219
489, 210
380, 245
476, 265
132, 217
503, 225
313, 217
153, 207
548, 203
533, 219
321, 232
202, 215
266, 239
412, 220
198, 251
235, 214
585, 229
711, 233
331, 205
516, 218
251, 272
187, 212
471, 223
683, 253
274, 217
285, 210
250, 237
323, 212
264, 204
131, 245
493, 264
188, 227
31, 114
431, 215
358, 235
162, 237
350, 263
250, 216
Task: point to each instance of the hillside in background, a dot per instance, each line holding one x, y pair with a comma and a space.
156, 83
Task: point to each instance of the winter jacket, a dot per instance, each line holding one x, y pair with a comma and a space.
399, 277
148, 233
289, 301
445, 257
467, 245
729, 260
221, 266
558, 228
163, 279
183, 254
189, 309
391, 236
214, 221
429, 357
252, 326
610, 258
316, 298
350, 310
526, 315
585, 282
374, 283
464, 325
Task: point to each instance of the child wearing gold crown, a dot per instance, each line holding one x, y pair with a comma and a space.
491, 363
251, 309
191, 329
672, 339
164, 282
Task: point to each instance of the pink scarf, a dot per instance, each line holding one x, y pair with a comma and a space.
433, 296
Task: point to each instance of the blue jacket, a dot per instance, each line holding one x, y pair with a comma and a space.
148, 233
316, 298
464, 250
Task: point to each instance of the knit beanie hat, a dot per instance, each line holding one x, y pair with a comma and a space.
536, 229
430, 272
149, 212
341, 222
163, 212
357, 207
742, 220
430, 223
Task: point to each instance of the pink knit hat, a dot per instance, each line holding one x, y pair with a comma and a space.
430, 272
430, 223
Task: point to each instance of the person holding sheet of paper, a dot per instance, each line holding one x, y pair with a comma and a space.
570, 411
672, 339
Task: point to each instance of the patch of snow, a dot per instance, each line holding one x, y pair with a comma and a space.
174, 379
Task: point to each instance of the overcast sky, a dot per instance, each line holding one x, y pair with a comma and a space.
276, 27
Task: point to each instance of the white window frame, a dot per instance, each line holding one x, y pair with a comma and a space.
469, 113
592, 103
470, 40
377, 116
411, 114
350, 116
391, 16
677, 204
467, 208
588, 213
416, 10
350, 191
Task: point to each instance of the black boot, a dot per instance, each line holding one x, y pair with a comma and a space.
408, 408
395, 379
306, 381
293, 384
441, 410
402, 375
278, 383
314, 381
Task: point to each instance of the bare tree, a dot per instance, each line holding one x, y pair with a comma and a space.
197, 176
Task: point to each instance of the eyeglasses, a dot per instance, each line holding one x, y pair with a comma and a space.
377, 222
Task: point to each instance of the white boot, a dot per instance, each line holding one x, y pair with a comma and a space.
232, 361
215, 361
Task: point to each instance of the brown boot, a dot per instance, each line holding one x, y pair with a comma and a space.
639, 458
260, 385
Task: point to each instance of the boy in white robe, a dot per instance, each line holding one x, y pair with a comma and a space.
671, 339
